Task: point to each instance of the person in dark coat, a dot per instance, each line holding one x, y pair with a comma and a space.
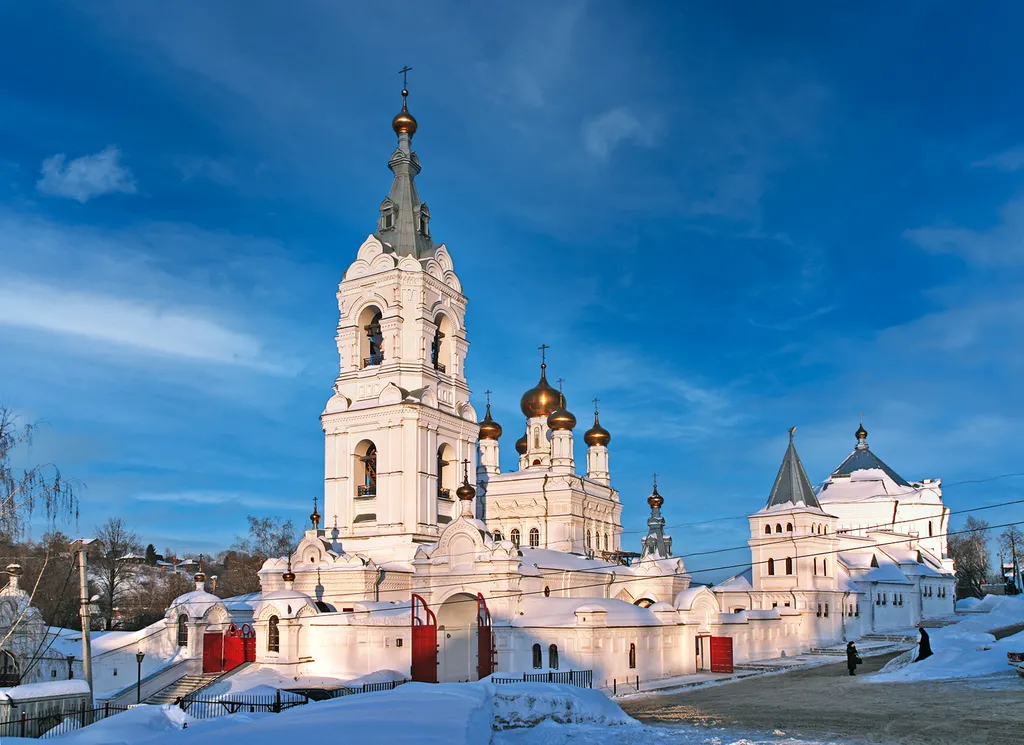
852, 658
924, 647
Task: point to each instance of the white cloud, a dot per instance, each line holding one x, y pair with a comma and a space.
606, 132
87, 177
999, 245
152, 328
1007, 160
210, 497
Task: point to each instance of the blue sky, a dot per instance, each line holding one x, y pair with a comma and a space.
726, 220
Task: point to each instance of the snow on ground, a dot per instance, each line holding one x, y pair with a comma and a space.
257, 681
965, 649
427, 714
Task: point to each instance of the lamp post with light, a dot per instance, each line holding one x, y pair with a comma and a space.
71, 666
138, 686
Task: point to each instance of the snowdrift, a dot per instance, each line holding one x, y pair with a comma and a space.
528, 704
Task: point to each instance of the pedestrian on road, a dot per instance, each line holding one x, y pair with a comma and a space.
924, 647
852, 658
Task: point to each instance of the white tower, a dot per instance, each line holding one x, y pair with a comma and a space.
400, 421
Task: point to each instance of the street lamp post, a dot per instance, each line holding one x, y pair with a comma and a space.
71, 666
138, 686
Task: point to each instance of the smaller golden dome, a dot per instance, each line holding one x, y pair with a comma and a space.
540, 400
404, 121
862, 434
521, 445
465, 492
655, 500
288, 576
561, 418
597, 435
489, 429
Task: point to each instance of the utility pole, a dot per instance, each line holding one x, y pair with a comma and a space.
83, 579
1013, 558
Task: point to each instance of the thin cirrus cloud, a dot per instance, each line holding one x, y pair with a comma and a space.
212, 497
603, 134
128, 323
998, 245
1005, 160
87, 177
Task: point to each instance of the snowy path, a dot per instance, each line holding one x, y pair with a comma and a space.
825, 702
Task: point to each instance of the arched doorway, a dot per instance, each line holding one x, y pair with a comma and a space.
457, 644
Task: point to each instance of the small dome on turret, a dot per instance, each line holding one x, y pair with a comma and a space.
542, 399
862, 434
288, 576
199, 576
561, 418
521, 445
655, 500
465, 492
404, 121
597, 435
489, 429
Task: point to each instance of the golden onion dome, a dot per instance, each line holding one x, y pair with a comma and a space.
597, 435
862, 434
561, 418
489, 429
655, 500
288, 576
465, 492
404, 121
542, 399
521, 445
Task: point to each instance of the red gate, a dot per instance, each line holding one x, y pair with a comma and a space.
213, 653
484, 641
239, 646
721, 654
424, 642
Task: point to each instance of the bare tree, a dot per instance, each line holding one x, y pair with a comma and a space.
268, 537
969, 549
24, 493
1011, 544
115, 575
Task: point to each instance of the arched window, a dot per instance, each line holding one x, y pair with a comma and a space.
778, 527
536, 437
537, 661
767, 529
825, 530
824, 567
273, 635
771, 567
10, 675
789, 565
443, 476
589, 540
789, 527
929, 528
815, 566
373, 344
182, 630
534, 537
826, 610
553, 657
367, 460
547, 591
497, 535
632, 656
514, 535
819, 610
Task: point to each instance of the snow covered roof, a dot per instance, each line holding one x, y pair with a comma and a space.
546, 558
286, 602
862, 459
541, 611
45, 690
791, 484
195, 603
738, 583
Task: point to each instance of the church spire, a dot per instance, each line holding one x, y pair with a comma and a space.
656, 545
405, 221
791, 484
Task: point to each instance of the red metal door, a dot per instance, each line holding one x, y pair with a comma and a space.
213, 653
234, 653
721, 654
485, 645
424, 642
248, 643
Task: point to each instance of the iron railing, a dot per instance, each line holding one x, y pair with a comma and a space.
578, 678
216, 706
439, 366
373, 359
444, 494
56, 722
369, 490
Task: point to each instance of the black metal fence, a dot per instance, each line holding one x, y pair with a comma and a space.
207, 707
578, 678
56, 722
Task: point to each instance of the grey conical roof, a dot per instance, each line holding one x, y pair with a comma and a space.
792, 487
862, 459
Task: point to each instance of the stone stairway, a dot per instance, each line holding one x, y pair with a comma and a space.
894, 638
181, 687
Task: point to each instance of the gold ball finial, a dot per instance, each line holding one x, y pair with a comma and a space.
404, 122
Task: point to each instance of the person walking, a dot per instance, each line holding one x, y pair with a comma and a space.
852, 658
924, 646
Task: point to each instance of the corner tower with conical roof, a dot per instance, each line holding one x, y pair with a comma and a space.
400, 421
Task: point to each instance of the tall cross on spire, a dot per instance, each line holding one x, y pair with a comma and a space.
543, 354
595, 404
560, 381
655, 477
488, 394
404, 72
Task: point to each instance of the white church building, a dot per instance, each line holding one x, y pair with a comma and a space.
429, 560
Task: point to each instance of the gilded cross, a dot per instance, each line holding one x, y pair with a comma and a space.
560, 381
404, 72
488, 394
655, 476
543, 352
595, 404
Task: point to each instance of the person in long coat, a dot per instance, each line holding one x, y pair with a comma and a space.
924, 646
852, 658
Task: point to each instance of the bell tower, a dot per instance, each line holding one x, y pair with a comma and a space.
400, 421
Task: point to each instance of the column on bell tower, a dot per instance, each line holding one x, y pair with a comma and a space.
490, 431
561, 423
